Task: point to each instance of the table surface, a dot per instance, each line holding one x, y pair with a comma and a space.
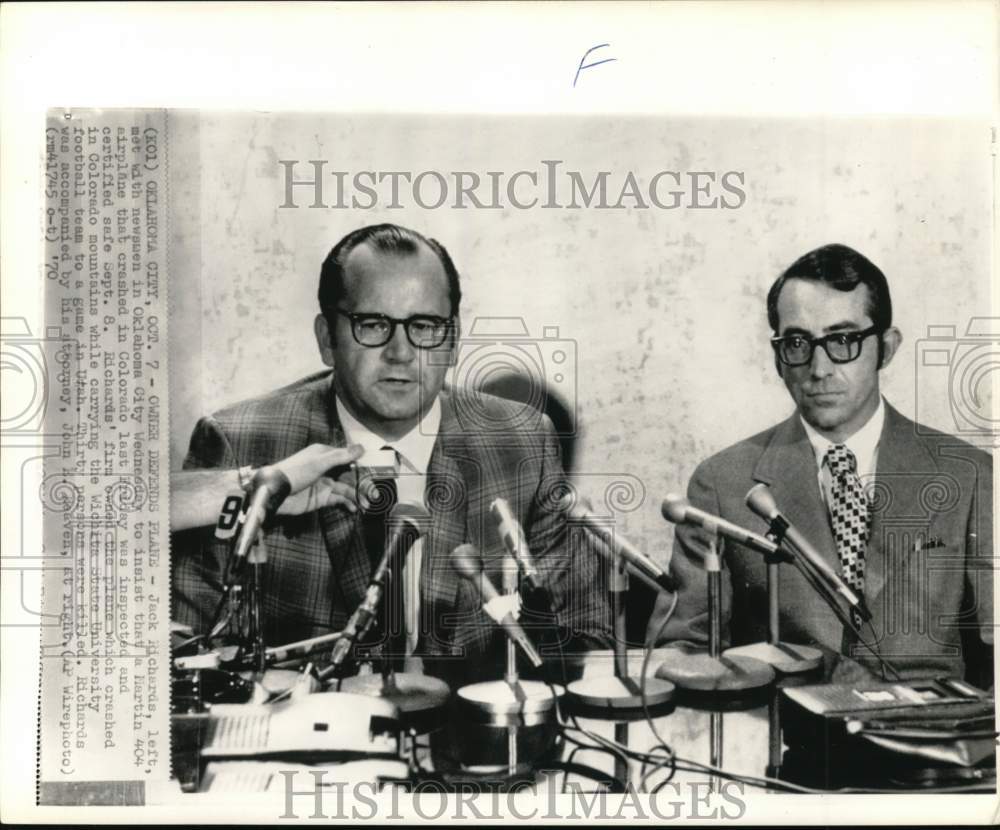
688, 729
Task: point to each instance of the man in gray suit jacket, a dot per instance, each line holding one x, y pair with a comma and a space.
904, 513
388, 327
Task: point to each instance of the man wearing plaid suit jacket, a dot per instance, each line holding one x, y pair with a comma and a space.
388, 326
924, 564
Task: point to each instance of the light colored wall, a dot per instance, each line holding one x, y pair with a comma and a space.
666, 307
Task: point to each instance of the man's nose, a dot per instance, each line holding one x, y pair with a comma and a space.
399, 349
820, 366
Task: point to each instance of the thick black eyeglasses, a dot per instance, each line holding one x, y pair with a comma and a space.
840, 347
424, 331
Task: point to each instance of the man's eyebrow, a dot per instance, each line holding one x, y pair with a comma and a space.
430, 314
792, 330
844, 325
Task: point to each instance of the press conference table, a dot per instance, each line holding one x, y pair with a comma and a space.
688, 727
688, 731
739, 739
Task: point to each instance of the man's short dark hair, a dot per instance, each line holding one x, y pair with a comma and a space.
842, 268
387, 239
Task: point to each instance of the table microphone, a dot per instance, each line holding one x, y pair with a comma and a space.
407, 522
678, 510
268, 489
466, 560
761, 501
512, 535
579, 510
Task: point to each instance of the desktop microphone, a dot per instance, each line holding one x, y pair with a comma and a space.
761, 501
408, 523
268, 489
579, 511
678, 510
512, 535
466, 560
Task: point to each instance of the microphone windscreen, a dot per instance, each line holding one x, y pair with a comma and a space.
674, 508
277, 484
407, 522
466, 560
501, 511
760, 500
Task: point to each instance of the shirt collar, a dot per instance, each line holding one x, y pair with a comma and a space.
864, 442
414, 448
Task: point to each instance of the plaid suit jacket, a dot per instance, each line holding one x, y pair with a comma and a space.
317, 569
929, 562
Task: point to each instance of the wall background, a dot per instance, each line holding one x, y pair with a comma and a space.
665, 307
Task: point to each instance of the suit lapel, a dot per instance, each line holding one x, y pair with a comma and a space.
788, 466
341, 531
447, 497
898, 492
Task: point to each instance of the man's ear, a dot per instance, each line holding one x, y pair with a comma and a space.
892, 338
324, 339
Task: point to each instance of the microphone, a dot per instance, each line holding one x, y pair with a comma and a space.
512, 535
761, 501
268, 489
408, 522
579, 510
465, 559
678, 510
379, 467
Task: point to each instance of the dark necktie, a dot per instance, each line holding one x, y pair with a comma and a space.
850, 517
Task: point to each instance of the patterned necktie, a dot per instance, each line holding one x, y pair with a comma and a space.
851, 519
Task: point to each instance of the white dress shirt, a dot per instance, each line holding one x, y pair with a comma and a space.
414, 451
864, 445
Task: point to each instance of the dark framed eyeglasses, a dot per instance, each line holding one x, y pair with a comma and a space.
840, 347
424, 331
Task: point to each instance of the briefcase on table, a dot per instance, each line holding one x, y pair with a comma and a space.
923, 734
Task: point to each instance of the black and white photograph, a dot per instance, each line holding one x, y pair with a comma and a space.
584, 455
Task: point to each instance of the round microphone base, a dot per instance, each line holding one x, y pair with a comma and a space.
510, 704
488, 712
786, 658
279, 681
616, 699
421, 700
725, 677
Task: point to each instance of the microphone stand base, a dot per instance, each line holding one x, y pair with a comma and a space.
485, 712
421, 700
786, 658
615, 699
719, 677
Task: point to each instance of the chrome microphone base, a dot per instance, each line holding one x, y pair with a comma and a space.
486, 712
697, 671
786, 658
421, 700
618, 699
